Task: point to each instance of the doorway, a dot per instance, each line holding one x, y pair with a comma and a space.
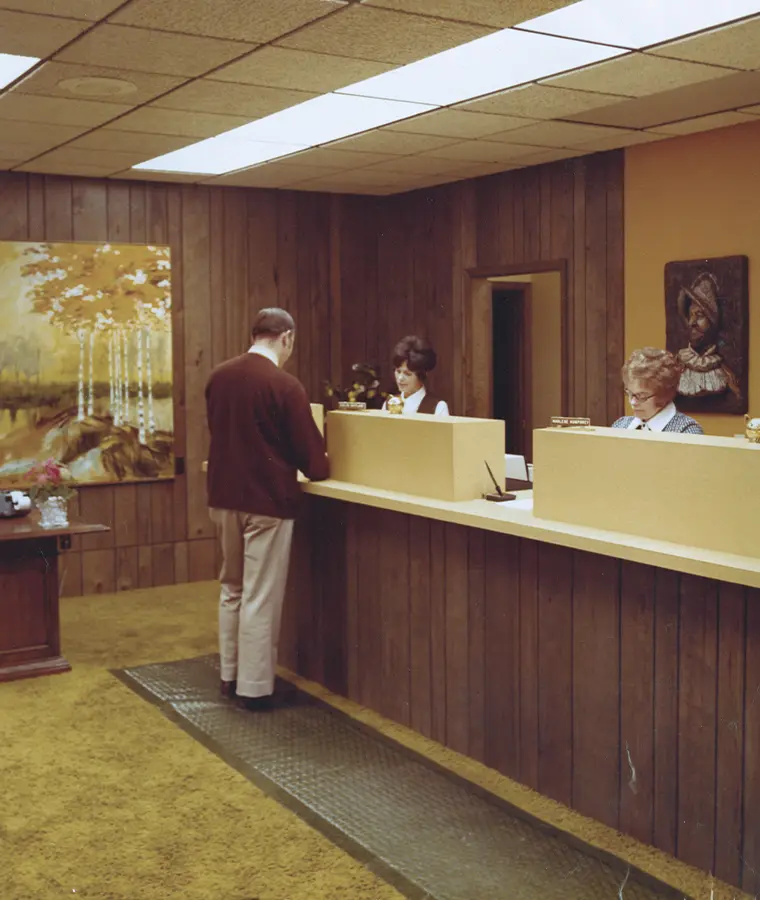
511, 362
516, 347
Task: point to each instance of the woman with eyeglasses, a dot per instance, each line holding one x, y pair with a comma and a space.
650, 379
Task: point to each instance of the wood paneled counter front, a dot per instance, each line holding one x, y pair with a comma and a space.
617, 674
517, 518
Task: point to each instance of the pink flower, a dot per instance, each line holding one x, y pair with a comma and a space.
53, 470
42, 478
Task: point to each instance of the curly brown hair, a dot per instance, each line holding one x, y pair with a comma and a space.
659, 370
418, 355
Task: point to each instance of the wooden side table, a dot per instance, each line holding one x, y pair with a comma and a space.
30, 633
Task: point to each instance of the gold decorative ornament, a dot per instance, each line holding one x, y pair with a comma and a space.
752, 429
394, 405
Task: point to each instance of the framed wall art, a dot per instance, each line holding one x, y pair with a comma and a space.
86, 361
707, 326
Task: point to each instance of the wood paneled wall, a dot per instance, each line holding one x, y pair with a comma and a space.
358, 273
626, 692
407, 274
233, 251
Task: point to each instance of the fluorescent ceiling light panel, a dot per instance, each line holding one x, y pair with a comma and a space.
492, 63
326, 118
639, 23
12, 66
218, 155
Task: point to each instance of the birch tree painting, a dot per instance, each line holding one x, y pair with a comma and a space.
86, 362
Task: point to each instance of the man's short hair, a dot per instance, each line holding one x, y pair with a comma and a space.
271, 323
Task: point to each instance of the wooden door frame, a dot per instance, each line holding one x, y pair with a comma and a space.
478, 340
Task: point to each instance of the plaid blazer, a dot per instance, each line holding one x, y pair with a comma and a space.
679, 423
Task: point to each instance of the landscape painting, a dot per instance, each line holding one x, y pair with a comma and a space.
86, 361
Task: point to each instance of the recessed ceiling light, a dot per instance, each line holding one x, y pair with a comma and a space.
327, 118
318, 121
12, 66
491, 63
98, 87
635, 24
218, 155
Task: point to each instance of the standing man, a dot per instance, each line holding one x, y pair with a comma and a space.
262, 434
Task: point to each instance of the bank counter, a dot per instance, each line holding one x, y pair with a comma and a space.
596, 639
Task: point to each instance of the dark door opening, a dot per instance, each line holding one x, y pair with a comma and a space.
511, 366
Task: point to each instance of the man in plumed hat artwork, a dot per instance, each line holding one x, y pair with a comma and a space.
707, 324
705, 371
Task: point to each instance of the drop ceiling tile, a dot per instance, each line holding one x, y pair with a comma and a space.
369, 177
751, 110
57, 111
638, 75
151, 51
339, 160
415, 165
271, 175
706, 123
735, 46
624, 139
147, 145
319, 186
154, 120
258, 21
481, 151
382, 35
297, 69
478, 170
47, 80
231, 99
731, 91
39, 133
28, 35
19, 153
89, 10
394, 143
52, 165
145, 175
456, 123
495, 13
112, 160
539, 101
556, 134
541, 157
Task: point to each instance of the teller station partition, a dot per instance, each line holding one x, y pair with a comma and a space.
596, 639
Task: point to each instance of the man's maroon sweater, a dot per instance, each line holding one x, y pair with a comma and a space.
262, 434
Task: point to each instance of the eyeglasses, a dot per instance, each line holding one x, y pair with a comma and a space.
639, 398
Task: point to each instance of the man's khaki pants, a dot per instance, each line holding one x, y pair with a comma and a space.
255, 558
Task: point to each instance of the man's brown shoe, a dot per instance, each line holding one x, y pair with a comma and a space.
227, 689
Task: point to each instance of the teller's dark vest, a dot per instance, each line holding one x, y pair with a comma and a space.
429, 403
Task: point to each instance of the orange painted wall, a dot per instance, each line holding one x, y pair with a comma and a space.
687, 198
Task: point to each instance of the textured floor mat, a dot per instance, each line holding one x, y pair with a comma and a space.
429, 833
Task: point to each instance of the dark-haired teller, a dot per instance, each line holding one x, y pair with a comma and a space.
413, 359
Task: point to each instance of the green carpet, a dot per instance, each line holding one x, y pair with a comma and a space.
105, 799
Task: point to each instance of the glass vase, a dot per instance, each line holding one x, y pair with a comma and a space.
54, 513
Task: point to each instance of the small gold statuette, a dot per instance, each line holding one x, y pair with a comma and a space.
752, 429
394, 405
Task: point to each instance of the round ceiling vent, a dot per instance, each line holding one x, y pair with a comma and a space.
97, 87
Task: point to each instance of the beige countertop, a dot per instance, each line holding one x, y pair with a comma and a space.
517, 518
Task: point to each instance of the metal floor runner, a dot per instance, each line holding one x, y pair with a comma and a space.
429, 833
